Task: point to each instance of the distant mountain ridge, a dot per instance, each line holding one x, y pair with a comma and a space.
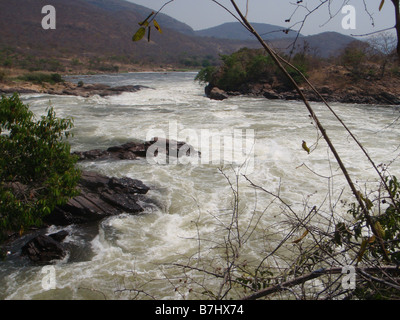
325, 44
235, 31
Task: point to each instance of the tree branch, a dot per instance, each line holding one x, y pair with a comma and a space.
318, 273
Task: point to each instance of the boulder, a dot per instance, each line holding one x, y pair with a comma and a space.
100, 197
270, 94
217, 94
59, 236
44, 249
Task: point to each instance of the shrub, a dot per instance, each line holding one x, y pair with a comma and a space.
249, 66
356, 60
37, 170
206, 75
42, 77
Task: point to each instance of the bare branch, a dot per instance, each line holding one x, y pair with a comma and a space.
318, 273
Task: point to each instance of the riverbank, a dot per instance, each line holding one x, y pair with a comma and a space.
14, 80
67, 88
100, 197
334, 84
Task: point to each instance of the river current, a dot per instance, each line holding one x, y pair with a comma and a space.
191, 201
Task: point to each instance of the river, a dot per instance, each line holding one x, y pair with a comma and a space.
191, 201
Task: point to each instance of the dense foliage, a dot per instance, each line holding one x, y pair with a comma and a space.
37, 170
249, 66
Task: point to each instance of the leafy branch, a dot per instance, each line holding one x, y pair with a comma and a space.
146, 25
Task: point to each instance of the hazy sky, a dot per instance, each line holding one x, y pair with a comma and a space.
201, 14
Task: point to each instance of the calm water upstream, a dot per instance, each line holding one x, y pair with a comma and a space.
192, 201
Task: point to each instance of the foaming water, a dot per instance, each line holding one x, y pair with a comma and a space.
190, 204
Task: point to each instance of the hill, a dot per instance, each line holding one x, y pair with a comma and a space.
96, 34
324, 44
235, 31
120, 6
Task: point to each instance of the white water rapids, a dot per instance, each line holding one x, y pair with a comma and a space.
192, 201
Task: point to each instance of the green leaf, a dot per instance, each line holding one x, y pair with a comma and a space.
145, 22
139, 34
304, 146
157, 26
381, 5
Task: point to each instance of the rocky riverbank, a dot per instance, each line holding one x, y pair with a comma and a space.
100, 197
376, 95
67, 88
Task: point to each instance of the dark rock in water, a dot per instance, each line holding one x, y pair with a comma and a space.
59, 236
100, 89
170, 147
127, 151
217, 94
43, 249
270, 94
100, 197
134, 150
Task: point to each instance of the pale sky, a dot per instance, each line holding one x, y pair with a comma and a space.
201, 14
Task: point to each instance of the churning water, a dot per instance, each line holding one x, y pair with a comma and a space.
190, 203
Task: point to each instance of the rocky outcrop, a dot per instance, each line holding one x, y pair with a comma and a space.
100, 197
46, 248
357, 95
217, 94
133, 150
103, 196
96, 89
67, 88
